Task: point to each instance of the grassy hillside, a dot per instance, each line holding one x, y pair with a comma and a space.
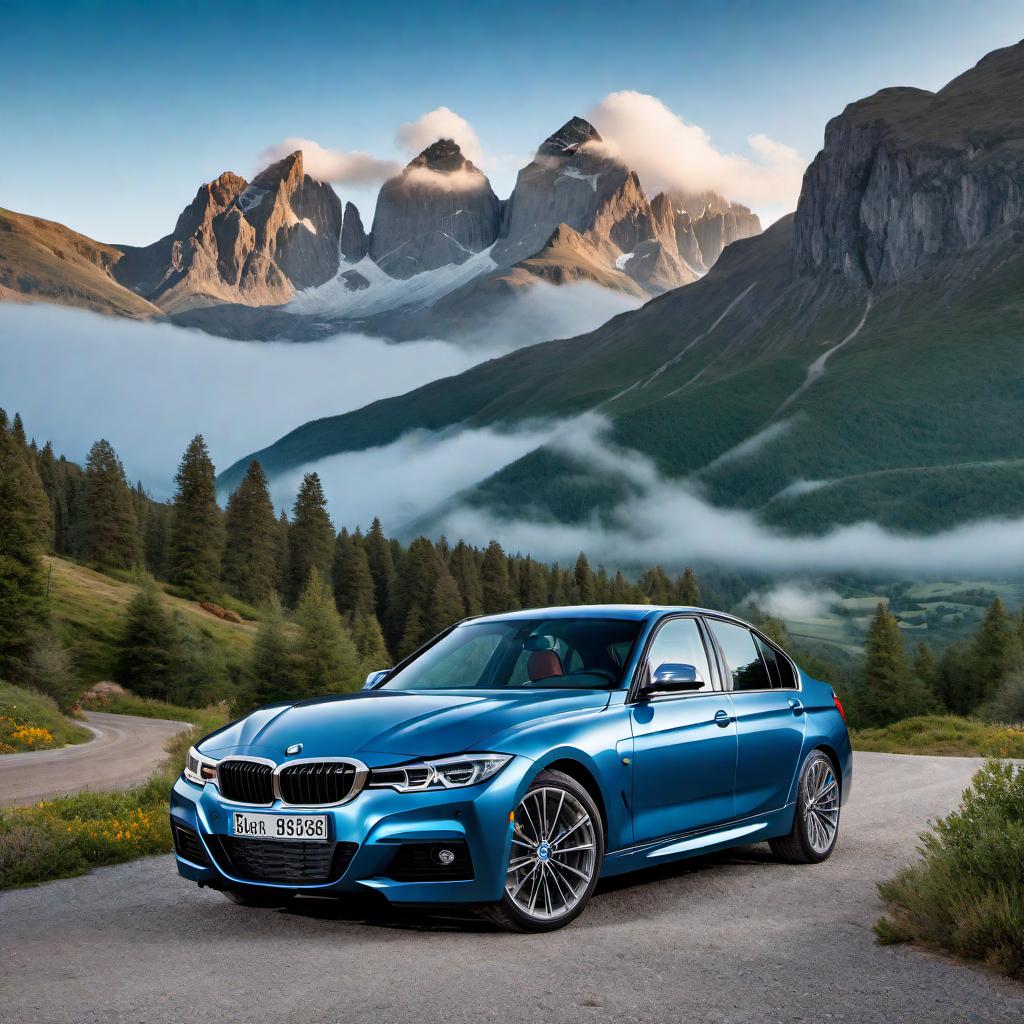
947, 735
88, 609
43, 260
32, 721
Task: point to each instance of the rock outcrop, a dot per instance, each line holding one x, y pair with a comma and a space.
254, 243
440, 210
355, 243
908, 178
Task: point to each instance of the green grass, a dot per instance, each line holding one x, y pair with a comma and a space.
32, 721
88, 609
72, 834
966, 893
947, 735
127, 703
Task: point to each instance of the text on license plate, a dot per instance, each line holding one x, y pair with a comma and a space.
279, 826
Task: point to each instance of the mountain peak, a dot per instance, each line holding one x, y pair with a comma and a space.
574, 133
280, 171
443, 156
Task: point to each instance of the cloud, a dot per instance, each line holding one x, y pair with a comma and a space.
668, 153
440, 123
434, 466
446, 181
353, 168
671, 522
793, 600
148, 388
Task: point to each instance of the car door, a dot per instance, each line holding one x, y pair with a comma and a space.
769, 717
684, 745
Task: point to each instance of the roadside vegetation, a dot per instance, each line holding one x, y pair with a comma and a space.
69, 835
29, 720
966, 893
945, 735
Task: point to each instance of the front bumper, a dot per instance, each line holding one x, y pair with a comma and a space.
377, 822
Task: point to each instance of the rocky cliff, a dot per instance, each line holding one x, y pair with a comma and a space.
253, 243
440, 210
907, 178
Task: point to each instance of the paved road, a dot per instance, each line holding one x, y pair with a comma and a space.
729, 938
124, 751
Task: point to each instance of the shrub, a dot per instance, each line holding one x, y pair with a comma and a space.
966, 894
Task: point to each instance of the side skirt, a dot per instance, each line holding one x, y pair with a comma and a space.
692, 844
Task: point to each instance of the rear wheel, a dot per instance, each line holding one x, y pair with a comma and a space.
258, 898
816, 823
555, 861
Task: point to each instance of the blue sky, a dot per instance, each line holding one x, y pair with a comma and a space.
114, 113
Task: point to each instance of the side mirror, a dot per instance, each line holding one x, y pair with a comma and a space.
674, 677
375, 677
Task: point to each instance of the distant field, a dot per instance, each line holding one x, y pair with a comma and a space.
947, 735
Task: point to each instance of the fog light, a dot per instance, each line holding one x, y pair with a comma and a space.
445, 857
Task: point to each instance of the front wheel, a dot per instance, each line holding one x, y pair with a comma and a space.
816, 823
555, 861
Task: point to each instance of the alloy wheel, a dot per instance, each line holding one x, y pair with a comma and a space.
554, 853
821, 805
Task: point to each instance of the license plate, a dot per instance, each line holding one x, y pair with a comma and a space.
279, 826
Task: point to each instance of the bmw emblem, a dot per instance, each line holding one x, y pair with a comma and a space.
544, 851
295, 748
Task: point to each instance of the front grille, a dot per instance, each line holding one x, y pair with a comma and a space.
247, 782
187, 843
314, 783
419, 862
284, 862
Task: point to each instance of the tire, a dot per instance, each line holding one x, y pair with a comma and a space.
816, 820
256, 898
556, 883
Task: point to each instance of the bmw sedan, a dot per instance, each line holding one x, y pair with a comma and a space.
517, 759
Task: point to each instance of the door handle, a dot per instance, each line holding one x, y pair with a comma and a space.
722, 718
795, 706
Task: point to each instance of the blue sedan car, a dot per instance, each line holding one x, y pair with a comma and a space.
515, 760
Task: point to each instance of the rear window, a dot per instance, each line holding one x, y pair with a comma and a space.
746, 668
779, 669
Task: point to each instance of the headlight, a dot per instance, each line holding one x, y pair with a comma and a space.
199, 769
439, 773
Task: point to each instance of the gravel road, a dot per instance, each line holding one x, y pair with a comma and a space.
123, 752
731, 937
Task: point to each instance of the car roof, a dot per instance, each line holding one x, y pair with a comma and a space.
634, 612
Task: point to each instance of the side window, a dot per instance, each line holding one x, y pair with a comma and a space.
679, 642
779, 669
746, 669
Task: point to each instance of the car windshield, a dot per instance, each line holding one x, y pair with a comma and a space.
583, 653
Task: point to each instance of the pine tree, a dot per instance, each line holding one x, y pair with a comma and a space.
466, 570
494, 580
586, 585
414, 635
889, 691
413, 589
326, 657
351, 578
687, 589
149, 646
369, 640
18, 431
601, 584
270, 665
25, 525
197, 533
310, 537
446, 606
282, 566
618, 589
994, 649
382, 568
250, 551
109, 525
157, 539
656, 586
537, 585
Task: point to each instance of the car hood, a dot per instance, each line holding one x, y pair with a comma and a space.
395, 722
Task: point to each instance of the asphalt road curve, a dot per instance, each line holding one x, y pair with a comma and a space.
124, 751
727, 938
